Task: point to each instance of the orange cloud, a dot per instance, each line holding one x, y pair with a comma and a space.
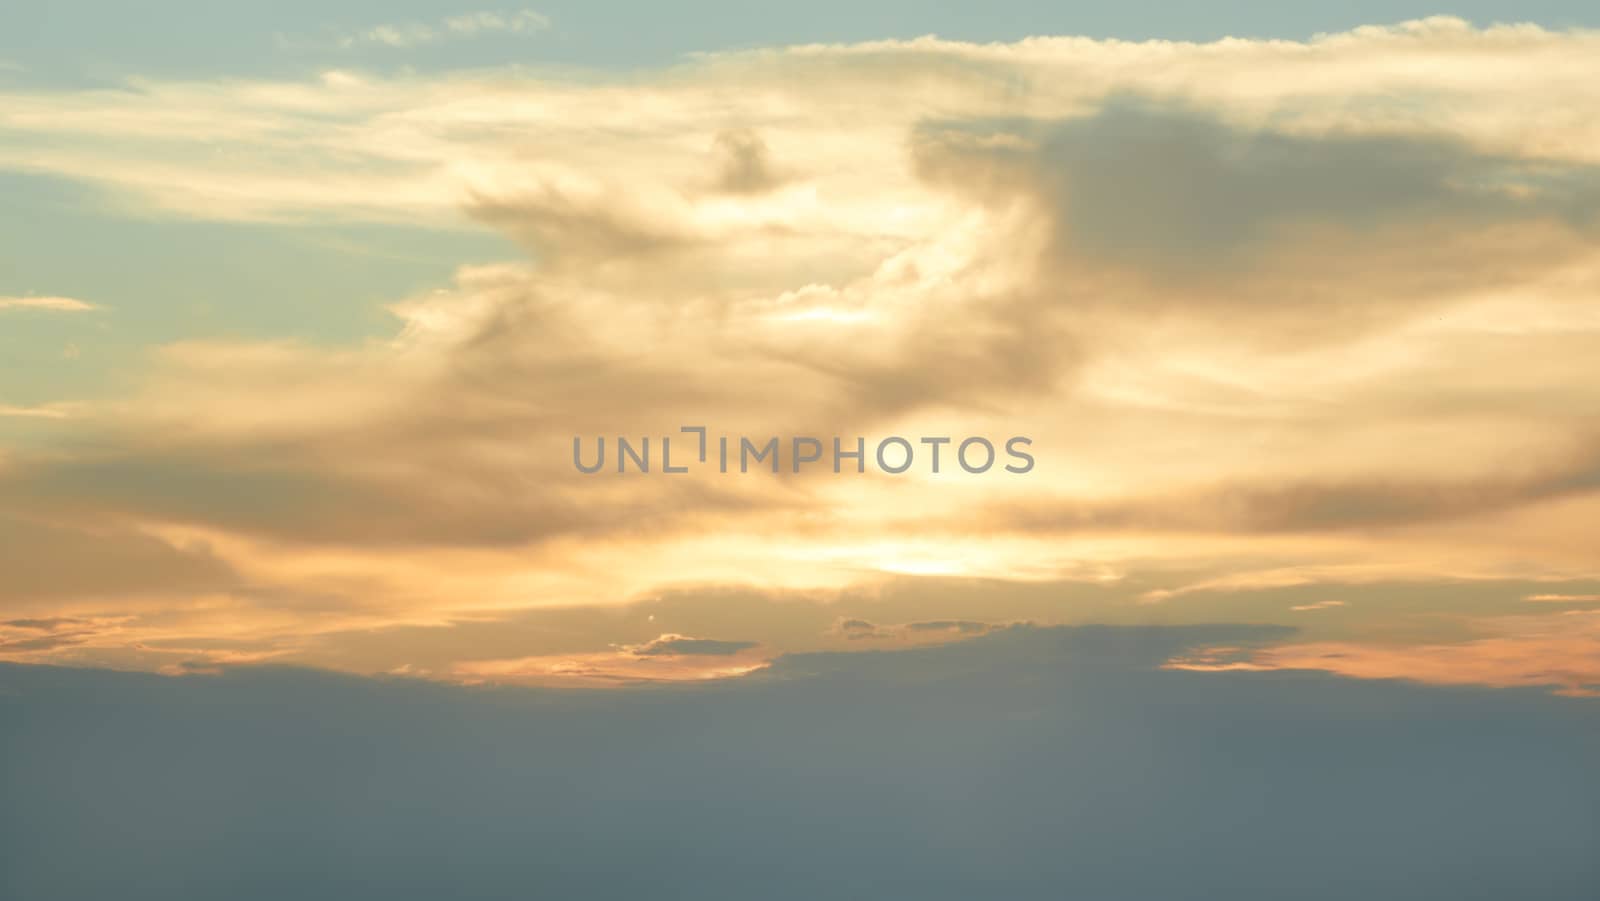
1560, 651
668, 658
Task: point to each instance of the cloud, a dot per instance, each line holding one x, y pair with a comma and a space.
309, 501
519, 22
57, 637
1159, 186
920, 630
609, 669
43, 642
1284, 505
44, 563
396, 148
1562, 598
745, 164
1048, 758
960, 627
856, 629
1559, 651
1147, 205
45, 411
1319, 605
679, 644
467, 25
46, 304
1272, 313
48, 624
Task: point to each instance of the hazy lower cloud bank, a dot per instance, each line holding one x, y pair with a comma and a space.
1030, 763
1275, 314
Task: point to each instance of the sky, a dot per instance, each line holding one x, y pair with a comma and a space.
1279, 320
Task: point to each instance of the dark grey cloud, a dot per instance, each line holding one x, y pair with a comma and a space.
45, 642
744, 164
299, 495
47, 624
858, 629
1152, 184
958, 626
1304, 505
1147, 205
1037, 763
560, 227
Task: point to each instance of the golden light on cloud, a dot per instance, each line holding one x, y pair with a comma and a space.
1273, 316
1319, 605
46, 304
667, 658
1560, 651
616, 450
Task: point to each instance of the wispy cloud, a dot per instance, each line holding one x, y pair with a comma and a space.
524, 21
1319, 605
411, 34
937, 631
1560, 651
671, 644
50, 304
46, 411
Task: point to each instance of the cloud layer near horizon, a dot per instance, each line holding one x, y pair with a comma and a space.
1031, 762
1273, 313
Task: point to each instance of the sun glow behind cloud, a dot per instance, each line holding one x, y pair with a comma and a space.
1276, 315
